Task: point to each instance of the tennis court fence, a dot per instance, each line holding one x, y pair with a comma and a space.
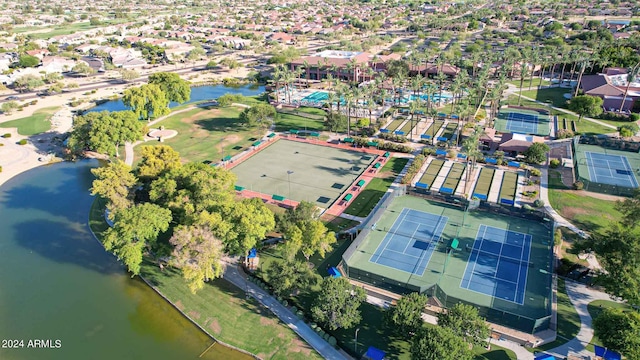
369, 223
495, 315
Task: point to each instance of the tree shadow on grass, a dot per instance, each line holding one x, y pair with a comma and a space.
222, 124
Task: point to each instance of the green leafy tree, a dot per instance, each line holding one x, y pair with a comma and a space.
617, 247
228, 99
315, 238
198, 253
466, 323
192, 188
135, 229
536, 153
146, 101
8, 107
335, 122
156, 160
174, 88
438, 343
51, 78
95, 21
114, 182
397, 68
305, 211
258, 115
406, 317
286, 276
586, 105
292, 242
104, 131
251, 221
28, 82
128, 75
630, 209
82, 68
619, 331
337, 304
27, 61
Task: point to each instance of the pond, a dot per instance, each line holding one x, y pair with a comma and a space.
59, 285
198, 93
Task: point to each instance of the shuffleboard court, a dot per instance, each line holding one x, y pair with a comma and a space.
499, 264
610, 169
302, 171
410, 242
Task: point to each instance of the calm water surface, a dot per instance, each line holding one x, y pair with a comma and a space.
58, 283
198, 93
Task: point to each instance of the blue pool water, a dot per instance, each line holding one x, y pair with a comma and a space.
198, 93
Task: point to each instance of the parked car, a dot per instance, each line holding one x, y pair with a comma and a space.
13, 97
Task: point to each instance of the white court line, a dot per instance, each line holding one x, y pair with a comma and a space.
592, 172
398, 252
473, 270
385, 238
411, 238
526, 275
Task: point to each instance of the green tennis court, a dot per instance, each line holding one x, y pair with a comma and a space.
302, 171
522, 121
444, 273
606, 170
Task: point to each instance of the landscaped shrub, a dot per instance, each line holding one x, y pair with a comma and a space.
634, 117
22, 142
0, 168
332, 341
578, 185
554, 163
392, 137
413, 169
538, 203
564, 134
6, 135
428, 151
535, 172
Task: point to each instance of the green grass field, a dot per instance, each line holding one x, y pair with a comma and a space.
369, 197
67, 28
590, 214
34, 124
207, 134
221, 309
526, 83
286, 122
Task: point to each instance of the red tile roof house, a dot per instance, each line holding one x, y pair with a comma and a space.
344, 65
611, 87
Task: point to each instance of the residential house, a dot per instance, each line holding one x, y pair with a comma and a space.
344, 65
611, 87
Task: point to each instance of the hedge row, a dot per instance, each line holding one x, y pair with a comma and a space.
413, 169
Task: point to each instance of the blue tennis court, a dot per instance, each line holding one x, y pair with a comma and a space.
522, 123
610, 169
410, 242
499, 264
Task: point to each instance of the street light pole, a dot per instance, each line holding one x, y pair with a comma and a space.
289, 172
355, 347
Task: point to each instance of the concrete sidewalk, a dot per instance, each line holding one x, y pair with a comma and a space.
327, 351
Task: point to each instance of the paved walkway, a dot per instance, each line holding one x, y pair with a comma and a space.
232, 275
580, 296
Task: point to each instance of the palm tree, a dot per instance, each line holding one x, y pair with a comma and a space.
348, 99
470, 147
630, 78
583, 65
413, 108
440, 77
277, 76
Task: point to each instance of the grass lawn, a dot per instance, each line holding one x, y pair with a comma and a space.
337, 224
286, 122
554, 96
588, 213
207, 134
221, 309
568, 320
527, 84
369, 197
73, 28
34, 124
595, 308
